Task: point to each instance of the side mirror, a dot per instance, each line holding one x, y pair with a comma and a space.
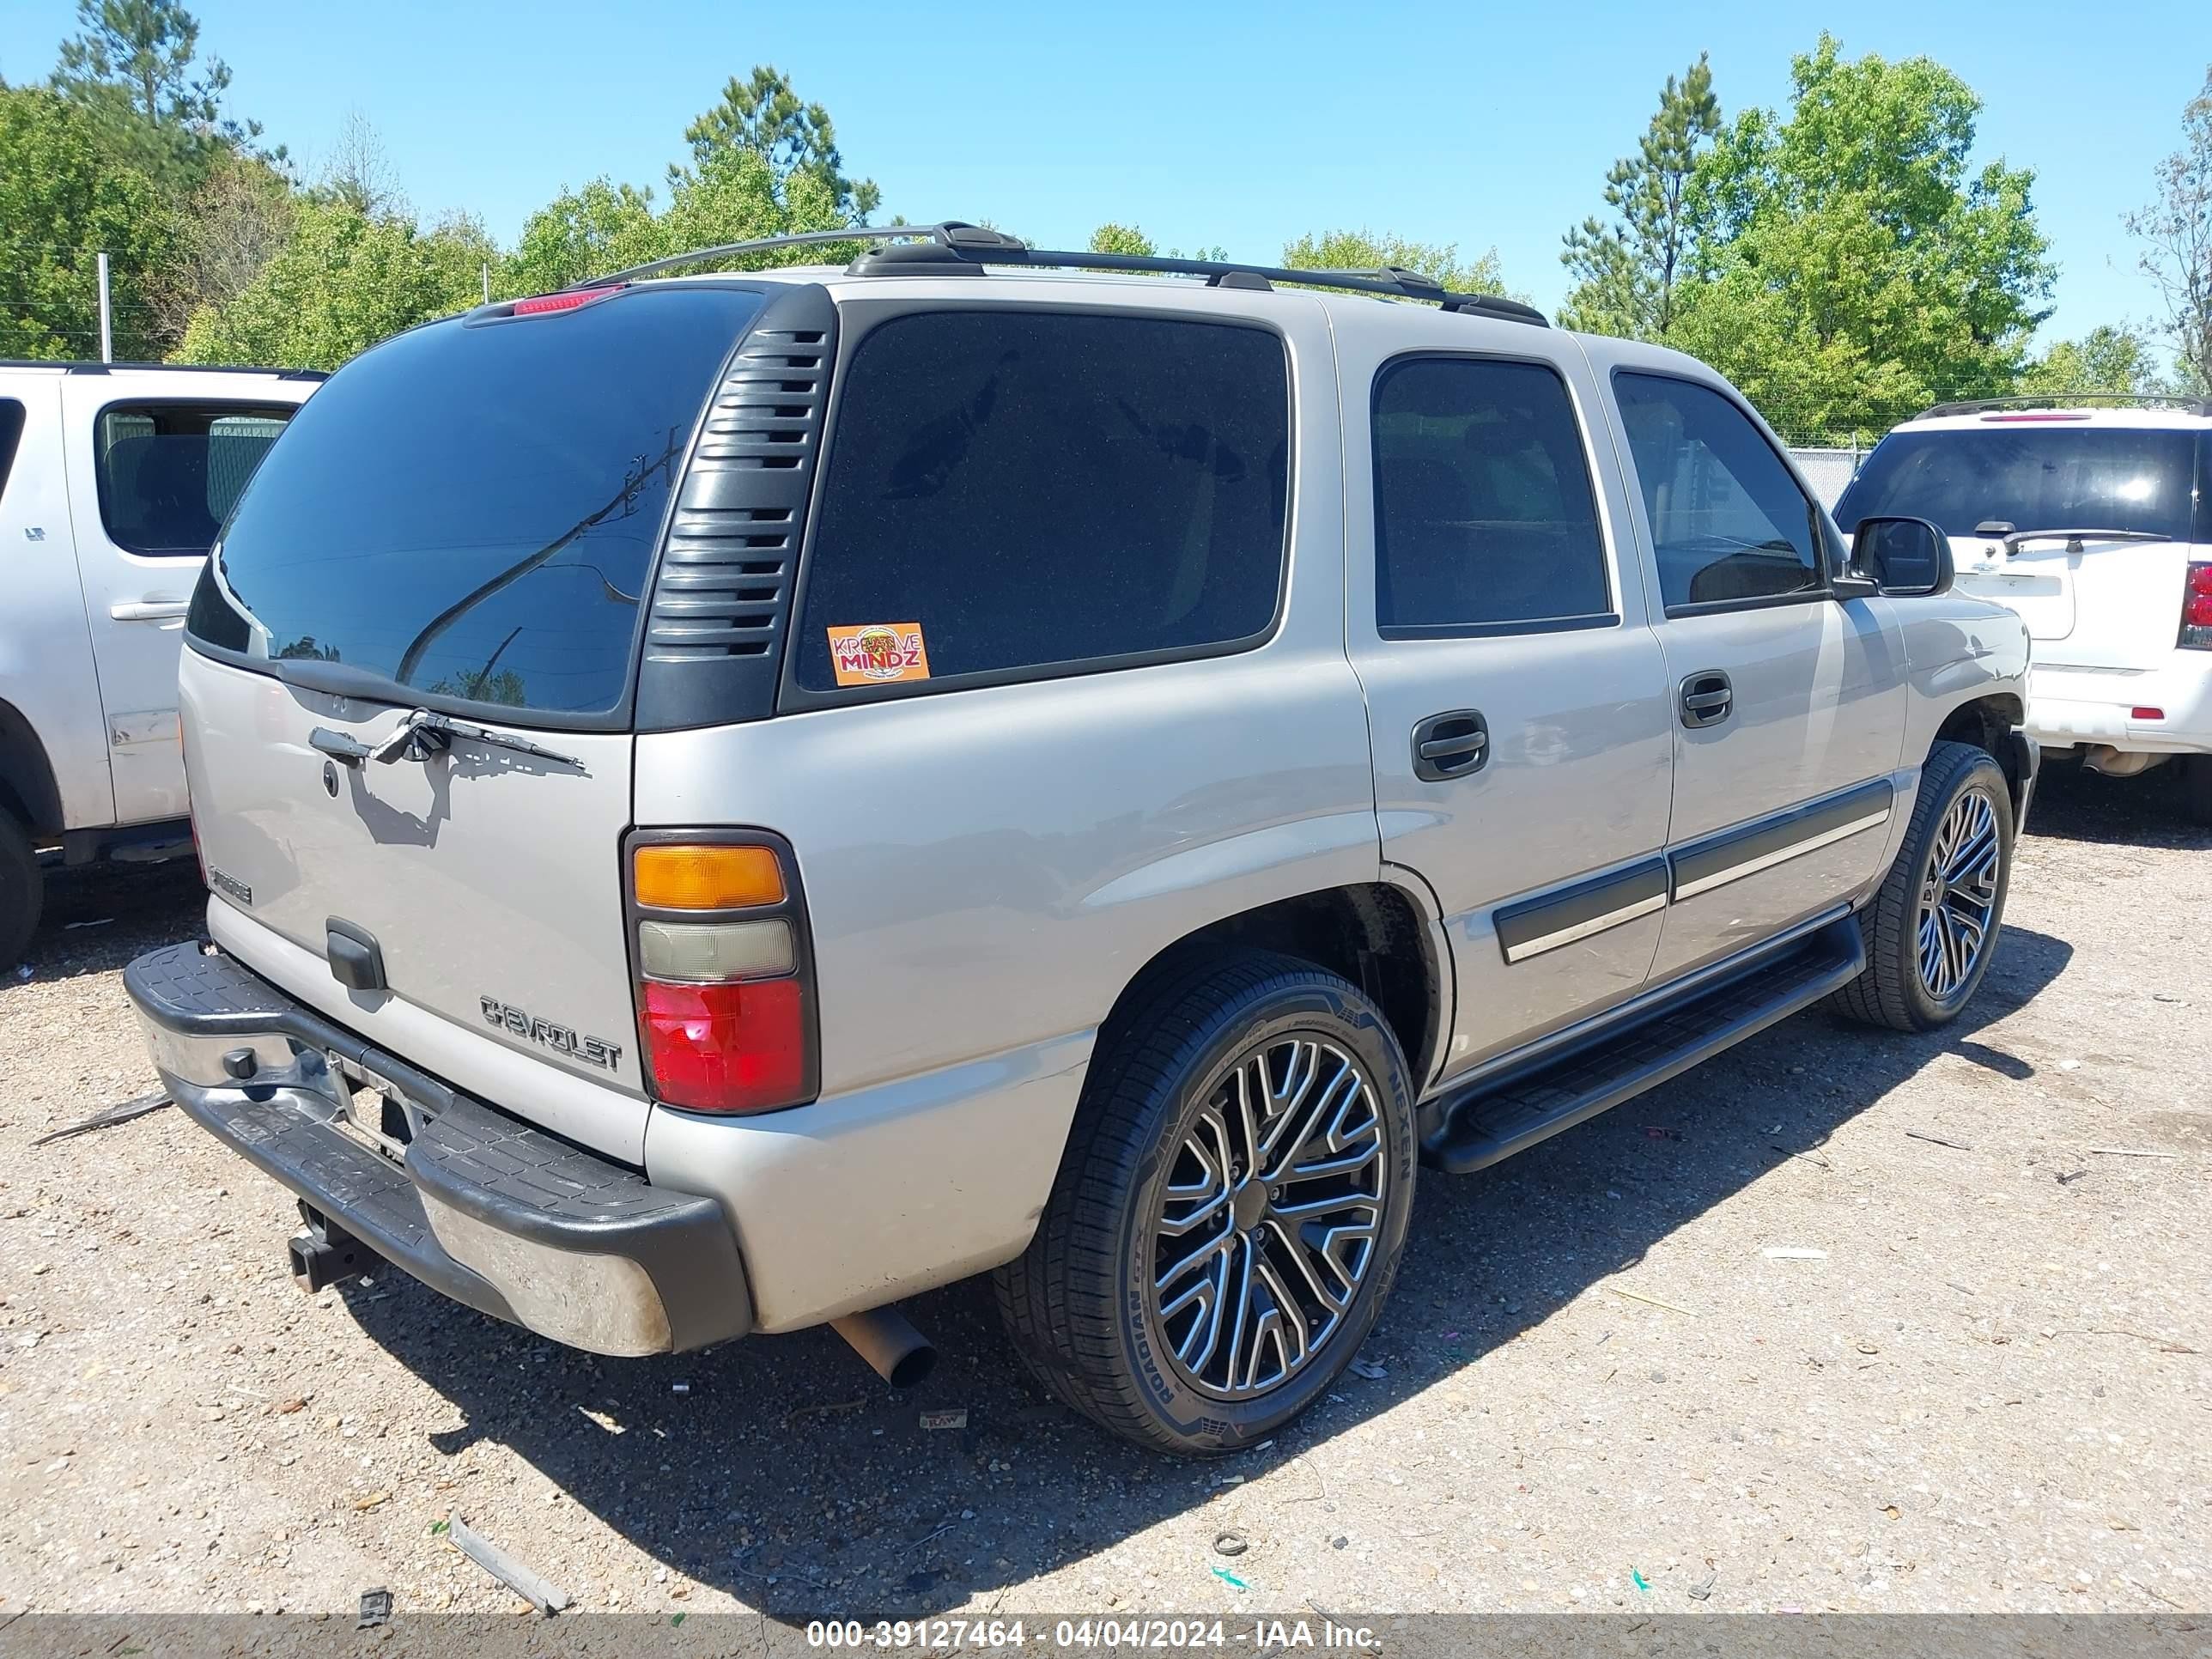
1902, 557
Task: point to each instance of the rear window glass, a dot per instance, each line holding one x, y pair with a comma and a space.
2032, 476
170, 472
1032, 491
11, 434
471, 509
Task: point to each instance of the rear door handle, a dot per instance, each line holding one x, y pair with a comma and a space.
149, 609
1450, 745
1706, 699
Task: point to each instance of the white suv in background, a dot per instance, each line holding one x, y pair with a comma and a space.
114, 481
2092, 517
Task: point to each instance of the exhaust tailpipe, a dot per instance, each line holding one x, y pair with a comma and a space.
900, 1354
2102, 758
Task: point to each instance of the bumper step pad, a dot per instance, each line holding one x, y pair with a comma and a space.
511, 1184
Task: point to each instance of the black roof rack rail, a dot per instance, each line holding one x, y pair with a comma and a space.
2183, 400
70, 366
954, 245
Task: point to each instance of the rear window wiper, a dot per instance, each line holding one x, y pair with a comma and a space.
424, 734
1999, 529
421, 734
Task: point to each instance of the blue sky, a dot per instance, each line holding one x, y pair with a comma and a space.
1240, 125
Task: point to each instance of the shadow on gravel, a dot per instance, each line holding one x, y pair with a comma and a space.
97, 918
784, 1472
2074, 803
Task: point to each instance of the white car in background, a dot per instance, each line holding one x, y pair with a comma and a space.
114, 479
2092, 517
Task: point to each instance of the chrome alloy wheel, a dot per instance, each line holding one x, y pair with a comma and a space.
1958, 894
1268, 1223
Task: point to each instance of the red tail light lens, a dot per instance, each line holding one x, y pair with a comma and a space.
736, 1048
724, 973
538, 304
2197, 609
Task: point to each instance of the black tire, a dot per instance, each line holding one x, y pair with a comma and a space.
1892, 991
1079, 1304
2197, 789
22, 890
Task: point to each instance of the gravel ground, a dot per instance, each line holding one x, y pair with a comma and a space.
1988, 1391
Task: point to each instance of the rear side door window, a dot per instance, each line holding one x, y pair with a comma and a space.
170, 472
1017, 495
1486, 517
1729, 524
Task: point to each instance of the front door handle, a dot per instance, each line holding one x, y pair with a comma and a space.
1450, 745
149, 609
1706, 699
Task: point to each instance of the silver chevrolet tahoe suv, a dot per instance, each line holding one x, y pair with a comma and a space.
733, 799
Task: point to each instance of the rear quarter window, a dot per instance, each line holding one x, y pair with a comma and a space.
1030, 493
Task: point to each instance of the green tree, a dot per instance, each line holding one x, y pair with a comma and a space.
581, 234
2106, 359
1626, 271
734, 196
1110, 238
64, 200
2176, 230
764, 115
228, 230
1851, 268
1363, 250
135, 63
341, 283
762, 166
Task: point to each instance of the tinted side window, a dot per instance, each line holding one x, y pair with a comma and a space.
11, 434
170, 473
1027, 491
1484, 509
1728, 521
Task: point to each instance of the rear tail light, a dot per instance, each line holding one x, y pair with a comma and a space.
724, 989
2197, 609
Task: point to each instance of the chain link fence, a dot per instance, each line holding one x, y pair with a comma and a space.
1828, 469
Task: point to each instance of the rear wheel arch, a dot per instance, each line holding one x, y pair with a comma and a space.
28, 785
1376, 934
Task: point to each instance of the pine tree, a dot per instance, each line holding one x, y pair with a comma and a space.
1628, 272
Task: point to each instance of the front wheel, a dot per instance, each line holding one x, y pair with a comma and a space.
1931, 929
1230, 1210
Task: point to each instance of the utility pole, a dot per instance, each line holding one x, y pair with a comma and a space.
487, 282
106, 334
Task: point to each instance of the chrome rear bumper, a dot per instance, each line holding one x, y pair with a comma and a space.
498, 1215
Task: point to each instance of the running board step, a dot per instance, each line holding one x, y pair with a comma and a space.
1500, 1118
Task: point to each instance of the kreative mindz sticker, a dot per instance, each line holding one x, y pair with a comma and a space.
879, 653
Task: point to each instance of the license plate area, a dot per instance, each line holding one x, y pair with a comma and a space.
377, 1113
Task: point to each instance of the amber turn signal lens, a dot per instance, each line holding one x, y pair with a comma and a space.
707, 877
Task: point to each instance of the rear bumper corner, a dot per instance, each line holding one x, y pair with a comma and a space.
503, 1217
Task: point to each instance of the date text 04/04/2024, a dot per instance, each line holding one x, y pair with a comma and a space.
925, 1635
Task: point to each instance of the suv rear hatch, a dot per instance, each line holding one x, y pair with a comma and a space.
463, 522
2090, 599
